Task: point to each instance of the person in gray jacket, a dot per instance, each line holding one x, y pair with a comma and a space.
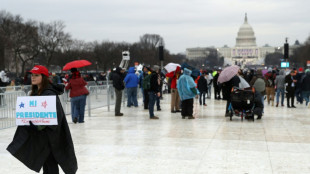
280, 85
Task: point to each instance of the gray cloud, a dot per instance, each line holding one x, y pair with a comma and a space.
182, 23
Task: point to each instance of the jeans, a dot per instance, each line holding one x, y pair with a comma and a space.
263, 103
282, 96
118, 100
152, 99
158, 102
298, 94
202, 94
209, 91
78, 105
306, 95
132, 97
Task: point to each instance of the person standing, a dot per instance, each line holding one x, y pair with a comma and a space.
217, 86
153, 91
270, 90
227, 86
298, 88
290, 84
209, 78
259, 83
78, 94
187, 90
280, 86
47, 146
131, 83
175, 98
119, 86
305, 87
203, 88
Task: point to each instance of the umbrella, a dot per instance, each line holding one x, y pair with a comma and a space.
76, 64
172, 67
228, 73
264, 71
243, 83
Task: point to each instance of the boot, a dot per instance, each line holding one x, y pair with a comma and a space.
272, 103
277, 104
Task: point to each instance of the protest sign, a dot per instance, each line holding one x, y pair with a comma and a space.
40, 110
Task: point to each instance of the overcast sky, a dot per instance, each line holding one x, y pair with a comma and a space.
182, 23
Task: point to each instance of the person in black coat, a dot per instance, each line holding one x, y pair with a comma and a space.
118, 84
226, 90
47, 146
290, 84
203, 89
217, 87
154, 91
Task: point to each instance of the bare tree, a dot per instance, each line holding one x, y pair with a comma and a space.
51, 38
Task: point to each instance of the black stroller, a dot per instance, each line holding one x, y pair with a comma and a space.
242, 103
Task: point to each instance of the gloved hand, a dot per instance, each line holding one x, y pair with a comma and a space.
32, 126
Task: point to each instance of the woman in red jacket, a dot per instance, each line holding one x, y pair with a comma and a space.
78, 93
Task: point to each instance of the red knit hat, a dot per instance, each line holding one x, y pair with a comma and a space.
39, 69
301, 69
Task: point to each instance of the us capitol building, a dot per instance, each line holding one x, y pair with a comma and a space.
246, 52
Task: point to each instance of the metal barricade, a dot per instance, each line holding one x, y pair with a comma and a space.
8, 108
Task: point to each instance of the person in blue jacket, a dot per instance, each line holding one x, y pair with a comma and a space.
187, 91
131, 83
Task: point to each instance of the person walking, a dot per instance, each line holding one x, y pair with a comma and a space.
290, 83
216, 85
280, 87
153, 91
226, 89
175, 98
203, 88
119, 86
131, 83
78, 94
187, 90
209, 78
45, 146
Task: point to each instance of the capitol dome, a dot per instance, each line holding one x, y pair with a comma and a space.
246, 36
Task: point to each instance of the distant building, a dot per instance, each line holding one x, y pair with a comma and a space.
245, 52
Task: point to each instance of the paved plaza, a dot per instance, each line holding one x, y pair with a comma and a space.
211, 143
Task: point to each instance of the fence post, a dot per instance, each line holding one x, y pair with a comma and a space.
108, 93
89, 104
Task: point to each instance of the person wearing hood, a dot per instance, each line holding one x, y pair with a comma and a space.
259, 83
305, 87
4, 81
78, 94
47, 146
290, 84
187, 91
131, 83
119, 86
270, 76
298, 89
280, 86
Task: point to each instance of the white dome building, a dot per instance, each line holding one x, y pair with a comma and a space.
245, 51
246, 36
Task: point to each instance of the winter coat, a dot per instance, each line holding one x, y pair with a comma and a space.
155, 84
32, 147
77, 87
227, 86
280, 80
290, 85
259, 86
305, 82
270, 77
185, 84
202, 84
118, 79
299, 77
131, 80
173, 75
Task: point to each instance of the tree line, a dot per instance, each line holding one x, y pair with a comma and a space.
26, 43
298, 57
